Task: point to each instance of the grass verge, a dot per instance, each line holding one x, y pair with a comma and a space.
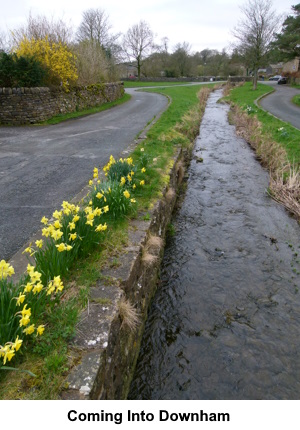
51, 358
296, 100
138, 84
275, 142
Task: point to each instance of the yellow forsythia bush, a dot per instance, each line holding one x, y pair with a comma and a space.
56, 58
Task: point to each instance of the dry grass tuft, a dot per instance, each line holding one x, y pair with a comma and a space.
149, 259
129, 315
180, 171
170, 195
153, 248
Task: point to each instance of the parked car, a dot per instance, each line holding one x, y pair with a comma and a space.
282, 80
274, 78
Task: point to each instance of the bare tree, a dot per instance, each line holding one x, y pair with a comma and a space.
138, 43
3, 42
40, 27
255, 32
95, 26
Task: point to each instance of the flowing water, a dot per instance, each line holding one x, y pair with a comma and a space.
225, 322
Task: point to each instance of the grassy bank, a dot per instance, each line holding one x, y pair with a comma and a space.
296, 100
275, 141
138, 84
72, 115
49, 356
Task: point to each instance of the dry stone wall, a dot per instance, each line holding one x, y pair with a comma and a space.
20, 106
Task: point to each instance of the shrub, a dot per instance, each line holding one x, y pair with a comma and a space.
23, 71
55, 57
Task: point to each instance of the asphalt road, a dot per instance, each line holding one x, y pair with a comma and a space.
279, 103
42, 166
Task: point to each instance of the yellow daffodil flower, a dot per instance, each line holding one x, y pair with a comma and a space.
5, 270
57, 215
56, 234
29, 330
72, 226
20, 299
126, 194
44, 220
39, 243
40, 330
72, 236
61, 247
37, 288
101, 227
17, 344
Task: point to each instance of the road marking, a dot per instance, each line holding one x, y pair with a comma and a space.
86, 132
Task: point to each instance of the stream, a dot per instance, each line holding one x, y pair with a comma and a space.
225, 321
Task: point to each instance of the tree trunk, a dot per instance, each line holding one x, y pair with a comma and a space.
255, 79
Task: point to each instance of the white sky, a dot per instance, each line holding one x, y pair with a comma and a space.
203, 24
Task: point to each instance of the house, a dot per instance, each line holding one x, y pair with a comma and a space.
274, 69
292, 66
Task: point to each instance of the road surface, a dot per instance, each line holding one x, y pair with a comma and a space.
279, 103
42, 166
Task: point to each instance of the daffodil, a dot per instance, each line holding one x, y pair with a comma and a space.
72, 236
5, 270
39, 243
143, 170
95, 172
35, 276
8, 353
29, 330
72, 226
17, 344
57, 224
44, 220
101, 227
126, 194
56, 234
57, 214
142, 182
37, 288
20, 299
28, 287
61, 247
40, 330
99, 195
123, 181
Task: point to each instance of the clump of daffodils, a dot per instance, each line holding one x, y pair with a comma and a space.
32, 297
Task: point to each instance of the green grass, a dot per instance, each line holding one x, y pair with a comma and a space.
283, 133
137, 84
64, 117
296, 100
162, 141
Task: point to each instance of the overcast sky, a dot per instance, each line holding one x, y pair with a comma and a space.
203, 24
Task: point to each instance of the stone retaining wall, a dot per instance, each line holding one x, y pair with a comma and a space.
33, 105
